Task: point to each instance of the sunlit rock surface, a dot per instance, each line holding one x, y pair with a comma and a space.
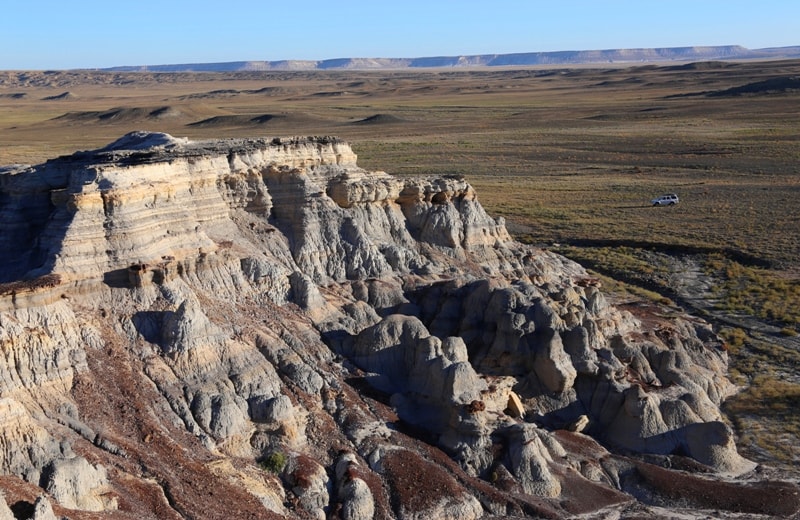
260, 328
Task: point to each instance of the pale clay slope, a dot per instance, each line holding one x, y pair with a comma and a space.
254, 280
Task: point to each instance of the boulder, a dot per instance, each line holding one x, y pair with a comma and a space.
42, 510
352, 491
76, 484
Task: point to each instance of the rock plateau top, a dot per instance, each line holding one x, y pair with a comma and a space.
260, 328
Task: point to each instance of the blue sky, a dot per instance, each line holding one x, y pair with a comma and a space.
48, 34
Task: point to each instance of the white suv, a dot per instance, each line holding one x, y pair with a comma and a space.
666, 200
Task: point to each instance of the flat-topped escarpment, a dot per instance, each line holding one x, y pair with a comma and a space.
150, 197
261, 328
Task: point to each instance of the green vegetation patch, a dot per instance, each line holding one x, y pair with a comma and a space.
274, 462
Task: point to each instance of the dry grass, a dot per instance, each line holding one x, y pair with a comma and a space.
765, 413
766, 294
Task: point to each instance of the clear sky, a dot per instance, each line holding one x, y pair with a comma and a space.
61, 34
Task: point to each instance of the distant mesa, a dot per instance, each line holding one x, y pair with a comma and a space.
642, 55
14, 95
60, 97
379, 119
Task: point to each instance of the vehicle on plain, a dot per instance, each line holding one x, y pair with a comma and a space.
670, 199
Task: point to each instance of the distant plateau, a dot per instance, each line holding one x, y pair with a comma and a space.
706, 53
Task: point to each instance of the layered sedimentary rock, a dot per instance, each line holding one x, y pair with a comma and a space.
260, 328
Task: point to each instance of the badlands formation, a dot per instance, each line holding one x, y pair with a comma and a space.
259, 328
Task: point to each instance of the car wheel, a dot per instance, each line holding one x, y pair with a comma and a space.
671, 203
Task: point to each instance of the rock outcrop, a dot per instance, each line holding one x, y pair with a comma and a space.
260, 328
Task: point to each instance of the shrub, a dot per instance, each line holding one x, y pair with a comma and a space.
274, 462
734, 337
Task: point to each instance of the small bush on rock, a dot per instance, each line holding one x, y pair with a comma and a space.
274, 462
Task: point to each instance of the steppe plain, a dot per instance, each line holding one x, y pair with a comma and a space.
570, 156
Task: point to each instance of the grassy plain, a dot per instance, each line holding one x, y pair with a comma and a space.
571, 157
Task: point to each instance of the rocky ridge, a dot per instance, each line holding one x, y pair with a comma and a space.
260, 328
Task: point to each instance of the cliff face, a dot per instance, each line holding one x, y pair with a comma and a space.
257, 328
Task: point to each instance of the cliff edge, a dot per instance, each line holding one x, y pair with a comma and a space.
259, 328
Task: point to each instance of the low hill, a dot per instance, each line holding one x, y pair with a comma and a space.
60, 97
780, 85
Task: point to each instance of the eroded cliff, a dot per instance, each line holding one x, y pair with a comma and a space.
260, 328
